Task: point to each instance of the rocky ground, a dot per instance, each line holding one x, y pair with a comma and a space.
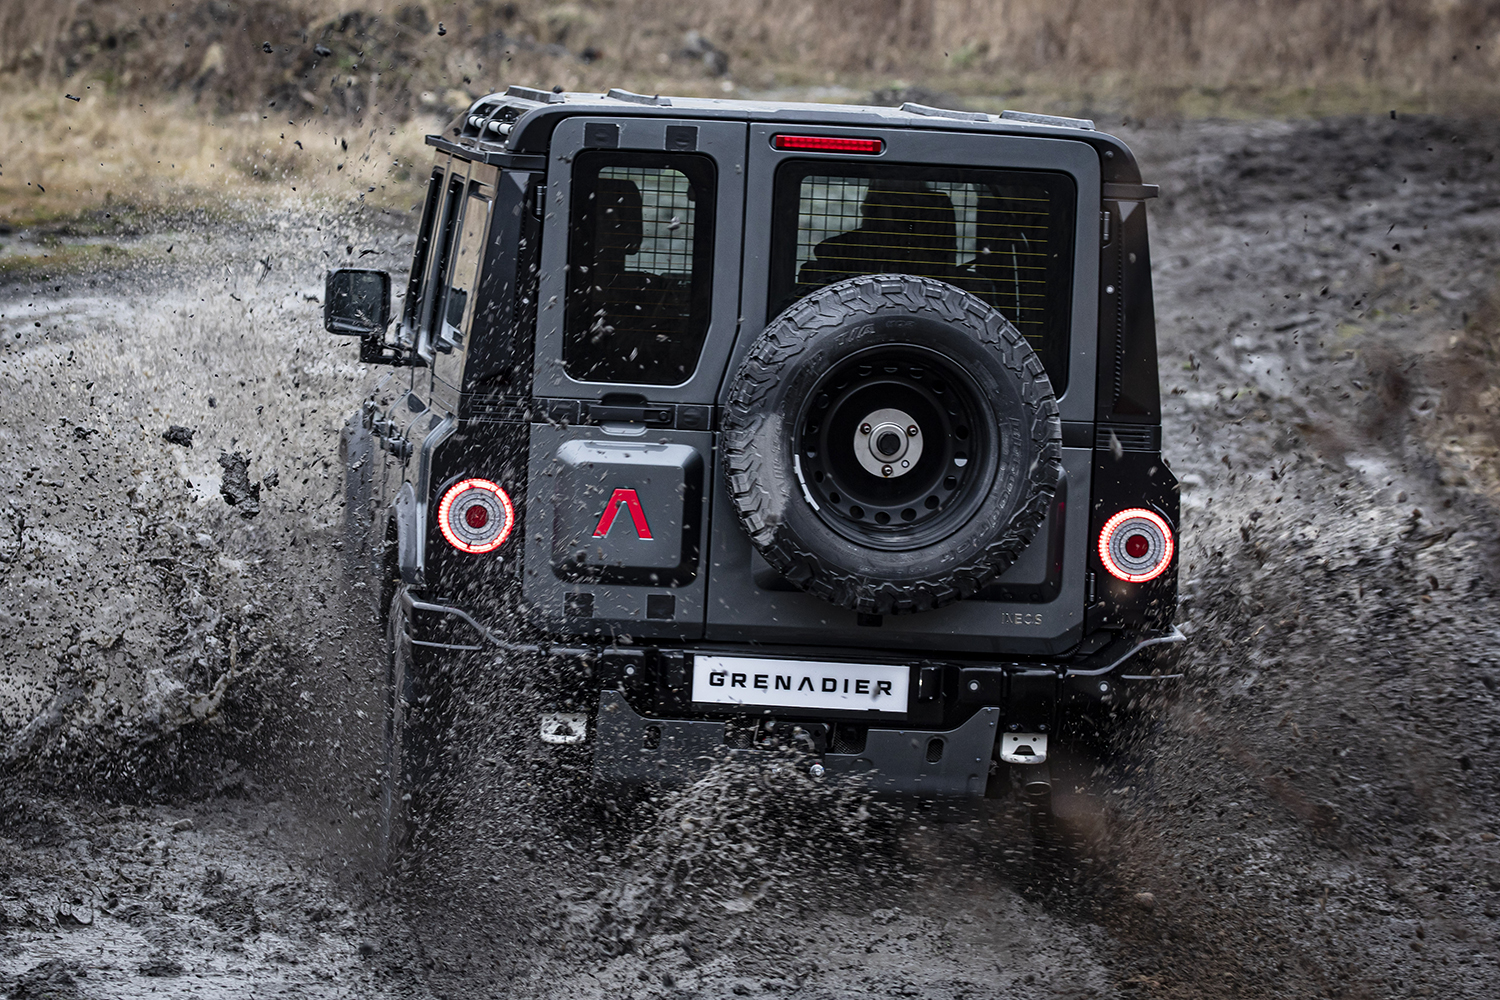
186, 706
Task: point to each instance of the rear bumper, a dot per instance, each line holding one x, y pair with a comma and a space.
647, 730
635, 749
445, 628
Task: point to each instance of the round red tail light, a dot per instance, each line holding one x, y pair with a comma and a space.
476, 516
1136, 545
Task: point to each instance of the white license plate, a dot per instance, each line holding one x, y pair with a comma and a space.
768, 683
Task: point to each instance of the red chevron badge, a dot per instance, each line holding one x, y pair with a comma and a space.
632, 503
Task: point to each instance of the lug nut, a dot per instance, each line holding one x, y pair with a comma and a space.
864, 428
886, 470
911, 431
817, 770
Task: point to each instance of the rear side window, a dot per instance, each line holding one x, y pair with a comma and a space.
1005, 236
419, 257
463, 273
640, 268
434, 298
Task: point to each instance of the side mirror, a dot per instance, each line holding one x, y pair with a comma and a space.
357, 303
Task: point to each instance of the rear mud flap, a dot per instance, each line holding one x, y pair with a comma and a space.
634, 749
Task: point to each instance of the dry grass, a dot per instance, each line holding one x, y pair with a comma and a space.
1148, 43
182, 100
1425, 51
62, 157
55, 257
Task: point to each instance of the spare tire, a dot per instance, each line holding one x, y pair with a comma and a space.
891, 444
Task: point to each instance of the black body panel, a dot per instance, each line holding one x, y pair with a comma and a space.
626, 560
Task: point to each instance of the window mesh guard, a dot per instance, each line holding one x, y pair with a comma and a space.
990, 240
667, 217
638, 291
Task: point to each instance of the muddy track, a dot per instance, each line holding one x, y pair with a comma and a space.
1312, 812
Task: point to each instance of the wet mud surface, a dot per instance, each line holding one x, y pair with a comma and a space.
187, 699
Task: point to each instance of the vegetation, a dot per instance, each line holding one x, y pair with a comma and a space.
399, 56
171, 100
60, 258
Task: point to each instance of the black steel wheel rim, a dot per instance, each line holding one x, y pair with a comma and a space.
908, 508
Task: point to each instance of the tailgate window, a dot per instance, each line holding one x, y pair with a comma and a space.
640, 267
1003, 235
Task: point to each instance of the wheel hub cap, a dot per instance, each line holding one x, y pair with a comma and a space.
888, 443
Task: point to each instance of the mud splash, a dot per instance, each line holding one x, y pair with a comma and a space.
1311, 813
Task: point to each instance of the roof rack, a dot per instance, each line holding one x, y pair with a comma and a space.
657, 101
922, 109
532, 94
1055, 120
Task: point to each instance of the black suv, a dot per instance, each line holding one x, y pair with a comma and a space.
800, 428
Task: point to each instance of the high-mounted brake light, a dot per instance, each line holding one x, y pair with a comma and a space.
1136, 545
828, 144
476, 516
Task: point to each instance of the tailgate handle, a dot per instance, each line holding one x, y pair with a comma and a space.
602, 413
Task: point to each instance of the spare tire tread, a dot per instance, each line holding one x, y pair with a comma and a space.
771, 356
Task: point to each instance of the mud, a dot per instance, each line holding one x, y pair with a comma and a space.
1311, 812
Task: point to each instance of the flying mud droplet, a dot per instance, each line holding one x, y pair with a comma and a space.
237, 489
178, 435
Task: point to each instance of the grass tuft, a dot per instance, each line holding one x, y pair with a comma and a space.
73, 166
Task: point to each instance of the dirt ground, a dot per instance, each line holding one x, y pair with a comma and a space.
186, 701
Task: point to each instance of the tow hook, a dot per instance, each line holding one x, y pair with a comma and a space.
1030, 751
1023, 748
564, 728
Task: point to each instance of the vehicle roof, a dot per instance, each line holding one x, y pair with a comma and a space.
520, 121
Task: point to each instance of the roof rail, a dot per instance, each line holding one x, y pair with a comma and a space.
625, 95
532, 94
922, 109
1056, 120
